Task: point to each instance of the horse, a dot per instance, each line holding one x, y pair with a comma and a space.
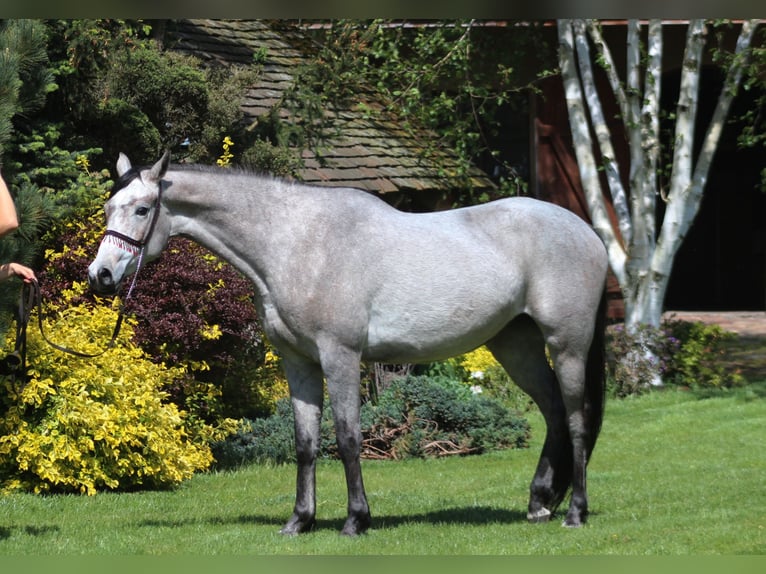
340, 277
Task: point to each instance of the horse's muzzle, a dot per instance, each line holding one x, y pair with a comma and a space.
102, 282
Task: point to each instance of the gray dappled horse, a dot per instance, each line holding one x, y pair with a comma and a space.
340, 277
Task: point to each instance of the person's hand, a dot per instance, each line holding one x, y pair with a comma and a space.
18, 270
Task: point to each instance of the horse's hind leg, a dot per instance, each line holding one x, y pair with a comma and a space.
520, 349
569, 365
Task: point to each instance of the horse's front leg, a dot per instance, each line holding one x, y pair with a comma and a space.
305, 382
341, 368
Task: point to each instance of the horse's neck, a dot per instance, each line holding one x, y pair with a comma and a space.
234, 216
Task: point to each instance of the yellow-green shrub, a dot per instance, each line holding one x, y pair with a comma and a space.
480, 370
253, 387
88, 424
478, 362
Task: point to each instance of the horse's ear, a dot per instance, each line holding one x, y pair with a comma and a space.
123, 165
158, 169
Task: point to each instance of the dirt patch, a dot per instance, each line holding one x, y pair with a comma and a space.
744, 323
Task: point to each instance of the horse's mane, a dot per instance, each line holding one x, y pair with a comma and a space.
125, 179
134, 172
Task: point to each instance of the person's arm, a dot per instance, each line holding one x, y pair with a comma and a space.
8, 218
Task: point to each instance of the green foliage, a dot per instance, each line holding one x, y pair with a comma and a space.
435, 416
265, 440
750, 119
414, 417
263, 156
122, 92
224, 116
81, 53
83, 425
123, 127
433, 76
167, 87
25, 78
38, 158
697, 360
254, 384
21, 246
480, 371
689, 354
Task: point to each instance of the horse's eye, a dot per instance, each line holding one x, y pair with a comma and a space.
142, 211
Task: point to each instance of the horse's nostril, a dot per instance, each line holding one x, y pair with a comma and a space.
105, 275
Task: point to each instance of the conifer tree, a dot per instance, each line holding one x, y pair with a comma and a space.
25, 80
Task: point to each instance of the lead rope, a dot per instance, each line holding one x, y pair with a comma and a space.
37, 301
15, 364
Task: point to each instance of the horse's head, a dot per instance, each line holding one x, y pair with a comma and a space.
135, 231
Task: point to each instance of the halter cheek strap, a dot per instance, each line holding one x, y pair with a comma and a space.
123, 239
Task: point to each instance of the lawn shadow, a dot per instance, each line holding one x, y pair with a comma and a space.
473, 515
470, 515
30, 530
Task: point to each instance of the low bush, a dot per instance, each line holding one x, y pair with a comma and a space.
437, 416
416, 416
688, 354
697, 357
82, 425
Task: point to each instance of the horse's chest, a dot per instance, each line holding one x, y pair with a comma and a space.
278, 327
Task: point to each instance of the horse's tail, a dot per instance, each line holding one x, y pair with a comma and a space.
595, 377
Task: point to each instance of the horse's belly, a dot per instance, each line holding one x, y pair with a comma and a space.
433, 333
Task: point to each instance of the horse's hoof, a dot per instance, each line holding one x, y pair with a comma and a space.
295, 527
574, 520
539, 516
354, 526
568, 524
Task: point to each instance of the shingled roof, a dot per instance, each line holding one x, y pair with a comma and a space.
372, 153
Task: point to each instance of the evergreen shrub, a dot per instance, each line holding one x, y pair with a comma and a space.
416, 416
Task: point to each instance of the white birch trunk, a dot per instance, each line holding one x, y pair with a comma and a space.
579, 126
603, 136
642, 264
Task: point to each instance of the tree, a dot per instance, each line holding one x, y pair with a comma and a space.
25, 80
641, 254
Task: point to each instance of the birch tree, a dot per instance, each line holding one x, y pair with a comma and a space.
642, 250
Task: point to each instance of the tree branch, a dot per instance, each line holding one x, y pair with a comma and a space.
729, 90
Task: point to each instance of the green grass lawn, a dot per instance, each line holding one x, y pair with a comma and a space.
674, 473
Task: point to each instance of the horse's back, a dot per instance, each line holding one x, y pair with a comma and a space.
449, 281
